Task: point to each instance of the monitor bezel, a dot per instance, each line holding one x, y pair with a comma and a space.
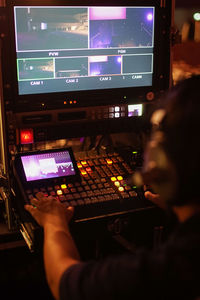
33, 102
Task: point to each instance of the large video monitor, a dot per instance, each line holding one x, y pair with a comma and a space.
90, 53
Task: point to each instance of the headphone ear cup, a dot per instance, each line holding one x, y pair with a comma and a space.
158, 171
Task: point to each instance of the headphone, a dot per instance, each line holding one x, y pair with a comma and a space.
158, 171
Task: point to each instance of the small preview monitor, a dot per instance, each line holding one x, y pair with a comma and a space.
47, 165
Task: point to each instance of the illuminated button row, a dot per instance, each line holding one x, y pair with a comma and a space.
85, 163
110, 112
116, 181
85, 172
123, 188
81, 164
116, 115
84, 167
59, 191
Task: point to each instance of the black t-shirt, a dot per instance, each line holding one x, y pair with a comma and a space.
171, 272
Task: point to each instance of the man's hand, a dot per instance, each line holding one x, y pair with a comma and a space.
49, 211
60, 252
155, 198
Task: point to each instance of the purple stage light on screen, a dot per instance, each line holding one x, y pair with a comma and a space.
119, 59
149, 17
107, 13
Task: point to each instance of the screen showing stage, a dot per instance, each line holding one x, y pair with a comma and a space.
66, 48
47, 165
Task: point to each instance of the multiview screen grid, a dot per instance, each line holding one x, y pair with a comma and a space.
48, 165
77, 43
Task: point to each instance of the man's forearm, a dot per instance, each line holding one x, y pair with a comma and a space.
60, 253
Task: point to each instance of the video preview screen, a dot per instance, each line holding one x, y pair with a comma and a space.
62, 49
47, 165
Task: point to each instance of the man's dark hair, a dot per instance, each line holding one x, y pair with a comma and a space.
181, 127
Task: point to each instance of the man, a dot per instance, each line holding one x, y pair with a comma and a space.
171, 167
